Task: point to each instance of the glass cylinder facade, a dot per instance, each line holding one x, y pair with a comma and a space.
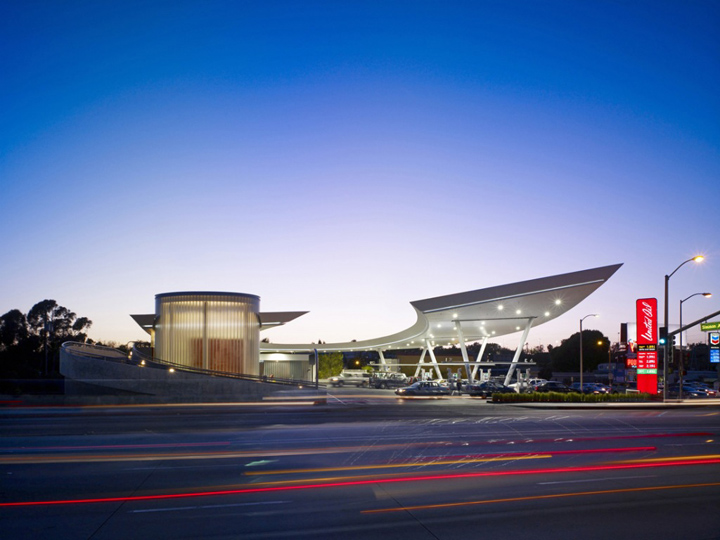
207, 330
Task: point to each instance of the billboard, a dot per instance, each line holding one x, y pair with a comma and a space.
647, 332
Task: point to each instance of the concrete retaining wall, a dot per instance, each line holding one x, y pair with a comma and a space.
92, 376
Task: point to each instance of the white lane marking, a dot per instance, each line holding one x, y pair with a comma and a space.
596, 480
203, 507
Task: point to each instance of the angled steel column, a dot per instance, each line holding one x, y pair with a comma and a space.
463, 349
382, 360
479, 356
516, 358
434, 360
421, 362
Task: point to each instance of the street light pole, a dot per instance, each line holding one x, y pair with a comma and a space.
581, 349
681, 361
611, 364
666, 359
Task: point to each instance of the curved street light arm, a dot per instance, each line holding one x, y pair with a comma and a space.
697, 258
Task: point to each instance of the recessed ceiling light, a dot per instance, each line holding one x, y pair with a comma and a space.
518, 312
547, 313
500, 307
558, 302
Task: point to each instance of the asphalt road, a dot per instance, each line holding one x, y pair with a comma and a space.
365, 465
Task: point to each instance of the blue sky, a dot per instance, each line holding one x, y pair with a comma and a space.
347, 158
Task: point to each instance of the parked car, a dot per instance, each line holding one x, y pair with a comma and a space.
487, 389
605, 389
423, 388
711, 392
526, 386
356, 377
688, 391
389, 380
553, 386
590, 388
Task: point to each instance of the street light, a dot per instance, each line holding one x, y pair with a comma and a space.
680, 363
666, 359
611, 364
581, 348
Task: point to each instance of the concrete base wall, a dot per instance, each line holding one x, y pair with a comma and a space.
92, 376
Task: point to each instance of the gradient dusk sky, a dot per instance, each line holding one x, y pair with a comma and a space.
347, 158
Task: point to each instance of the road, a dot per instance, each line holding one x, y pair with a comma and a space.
365, 465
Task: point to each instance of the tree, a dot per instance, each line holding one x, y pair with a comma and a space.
16, 350
29, 344
13, 329
330, 364
566, 357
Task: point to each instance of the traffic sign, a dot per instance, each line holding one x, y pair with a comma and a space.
710, 326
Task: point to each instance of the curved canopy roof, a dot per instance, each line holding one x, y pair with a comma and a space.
483, 313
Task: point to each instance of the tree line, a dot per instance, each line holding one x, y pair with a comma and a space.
30, 342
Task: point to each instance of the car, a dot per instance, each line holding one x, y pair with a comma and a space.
590, 388
604, 388
553, 386
526, 386
356, 377
487, 389
389, 380
688, 391
711, 392
423, 388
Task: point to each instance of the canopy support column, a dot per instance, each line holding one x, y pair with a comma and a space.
383, 363
516, 358
421, 363
479, 358
463, 349
434, 360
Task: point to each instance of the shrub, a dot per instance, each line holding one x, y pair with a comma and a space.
573, 397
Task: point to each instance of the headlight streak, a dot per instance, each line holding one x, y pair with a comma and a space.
9, 460
674, 458
429, 478
114, 446
537, 497
401, 465
458, 460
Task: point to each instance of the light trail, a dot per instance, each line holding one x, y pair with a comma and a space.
677, 458
537, 497
399, 465
115, 446
562, 452
457, 460
455, 476
45, 459
48, 459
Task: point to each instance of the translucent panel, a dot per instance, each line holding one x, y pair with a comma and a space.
209, 331
299, 371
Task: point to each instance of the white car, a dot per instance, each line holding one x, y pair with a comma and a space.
527, 386
356, 377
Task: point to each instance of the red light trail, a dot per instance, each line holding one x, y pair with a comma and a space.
428, 478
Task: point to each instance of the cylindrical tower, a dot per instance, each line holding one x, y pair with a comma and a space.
218, 331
